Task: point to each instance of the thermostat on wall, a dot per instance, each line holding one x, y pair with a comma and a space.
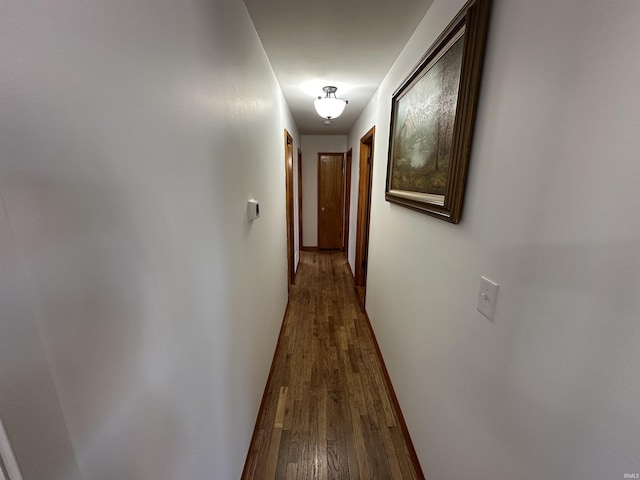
253, 209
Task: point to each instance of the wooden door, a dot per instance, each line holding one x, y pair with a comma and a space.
330, 200
364, 210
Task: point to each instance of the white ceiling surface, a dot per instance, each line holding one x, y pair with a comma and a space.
350, 44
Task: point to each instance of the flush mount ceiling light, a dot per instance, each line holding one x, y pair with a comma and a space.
329, 106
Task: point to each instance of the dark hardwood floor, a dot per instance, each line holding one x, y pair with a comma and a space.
327, 412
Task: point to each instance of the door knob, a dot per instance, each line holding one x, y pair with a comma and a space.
322, 209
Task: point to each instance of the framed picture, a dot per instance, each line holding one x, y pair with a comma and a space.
432, 118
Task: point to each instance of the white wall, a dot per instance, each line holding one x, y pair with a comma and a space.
131, 136
550, 388
311, 146
29, 407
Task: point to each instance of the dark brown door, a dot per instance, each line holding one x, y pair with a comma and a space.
330, 200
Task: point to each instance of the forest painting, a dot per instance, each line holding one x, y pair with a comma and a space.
432, 119
423, 133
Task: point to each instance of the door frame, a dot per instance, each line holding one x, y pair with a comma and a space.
300, 198
336, 154
364, 209
288, 169
347, 199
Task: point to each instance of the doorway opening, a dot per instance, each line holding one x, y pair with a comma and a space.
347, 200
300, 198
288, 160
364, 212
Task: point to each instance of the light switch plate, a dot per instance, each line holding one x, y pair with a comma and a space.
253, 209
487, 297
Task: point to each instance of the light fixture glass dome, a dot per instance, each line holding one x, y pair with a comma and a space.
329, 106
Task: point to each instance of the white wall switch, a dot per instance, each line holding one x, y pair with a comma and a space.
487, 297
253, 209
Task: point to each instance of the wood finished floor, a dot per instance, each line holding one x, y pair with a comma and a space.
327, 412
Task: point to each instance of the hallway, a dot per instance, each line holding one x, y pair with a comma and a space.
328, 412
141, 301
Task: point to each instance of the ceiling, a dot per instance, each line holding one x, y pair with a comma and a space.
350, 44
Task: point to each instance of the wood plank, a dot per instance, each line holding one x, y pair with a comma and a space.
376, 455
292, 471
280, 408
283, 454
